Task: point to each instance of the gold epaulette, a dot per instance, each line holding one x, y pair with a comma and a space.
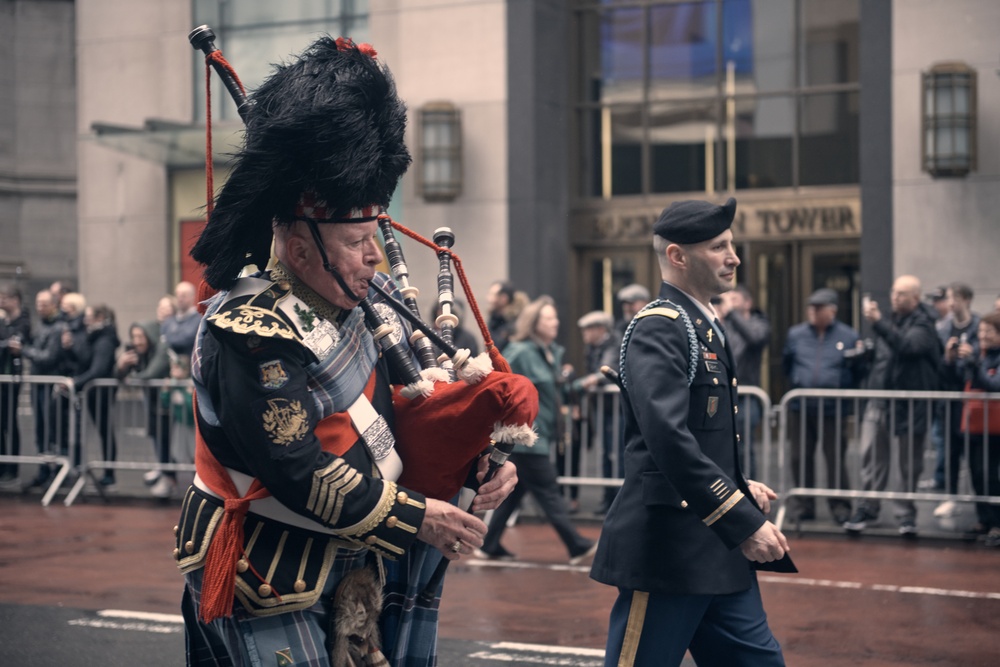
662, 311
256, 314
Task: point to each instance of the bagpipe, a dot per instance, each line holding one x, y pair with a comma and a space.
451, 410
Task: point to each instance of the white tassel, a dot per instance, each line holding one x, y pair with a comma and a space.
475, 369
520, 434
435, 374
420, 388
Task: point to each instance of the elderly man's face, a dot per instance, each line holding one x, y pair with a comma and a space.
593, 335
353, 250
821, 317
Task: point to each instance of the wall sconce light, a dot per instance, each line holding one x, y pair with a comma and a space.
440, 172
949, 119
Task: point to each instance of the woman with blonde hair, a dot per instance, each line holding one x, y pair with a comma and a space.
533, 352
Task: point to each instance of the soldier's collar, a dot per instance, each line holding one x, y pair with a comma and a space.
308, 296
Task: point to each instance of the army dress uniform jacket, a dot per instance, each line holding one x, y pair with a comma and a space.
275, 377
685, 507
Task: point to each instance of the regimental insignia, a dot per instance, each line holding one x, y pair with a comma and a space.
285, 421
708, 355
273, 375
713, 406
283, 658
322, 339
306, 316
709, 335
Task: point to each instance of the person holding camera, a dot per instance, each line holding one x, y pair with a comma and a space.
15, 332
821, 353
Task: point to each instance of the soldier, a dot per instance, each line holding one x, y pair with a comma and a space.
687, 530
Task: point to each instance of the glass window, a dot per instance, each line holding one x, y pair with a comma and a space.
764, 128
621, 48
683, 41
949, 119
680, 136
828, 144
612, 140
256, 34
760, 38
830, 38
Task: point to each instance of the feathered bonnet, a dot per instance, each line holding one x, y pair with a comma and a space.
324, 138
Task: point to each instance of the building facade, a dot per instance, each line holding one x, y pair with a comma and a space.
580, 120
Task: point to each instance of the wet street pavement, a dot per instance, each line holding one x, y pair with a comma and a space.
95, 584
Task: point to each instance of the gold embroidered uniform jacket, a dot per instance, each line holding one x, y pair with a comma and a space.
261, 412
684, 508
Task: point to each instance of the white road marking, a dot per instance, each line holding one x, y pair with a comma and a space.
138, 621
771, 579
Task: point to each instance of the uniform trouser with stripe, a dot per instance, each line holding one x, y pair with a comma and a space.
655, 630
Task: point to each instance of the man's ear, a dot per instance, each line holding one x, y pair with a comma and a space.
297, 252
676, 256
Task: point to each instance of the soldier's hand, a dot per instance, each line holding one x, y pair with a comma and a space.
763, 494
452, 531
766, 545
497, 489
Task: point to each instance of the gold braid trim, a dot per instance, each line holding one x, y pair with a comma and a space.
378, 514
723, 508
247, 319
633, 629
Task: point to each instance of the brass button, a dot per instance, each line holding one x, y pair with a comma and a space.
370, 540
734, 382
299, 585
736, 409
189, 547
242, 565
402, 497
177, 554
684, 504
177, 529
715, 380
392, 521
737, 437
284, 285
264, 590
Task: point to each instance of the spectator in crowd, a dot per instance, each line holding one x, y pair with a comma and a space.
44, 354
59, 289
505, 303
102, 340
633, 298
940, 301
178, 401
982, 369
748, 333
166, 308
821, 353
601, 348
15, 333
533, 352
960, 327
180, 330
908, 357
996, 304
145, 358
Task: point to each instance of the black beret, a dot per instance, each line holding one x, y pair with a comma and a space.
694, 221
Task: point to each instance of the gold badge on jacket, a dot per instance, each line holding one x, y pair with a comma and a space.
713, 406
285, 421
273, 375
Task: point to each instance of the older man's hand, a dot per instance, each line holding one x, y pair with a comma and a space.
497, 489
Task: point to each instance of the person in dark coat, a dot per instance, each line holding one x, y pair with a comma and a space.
15, 333
102, 340
820, 353
908, 357
683, 536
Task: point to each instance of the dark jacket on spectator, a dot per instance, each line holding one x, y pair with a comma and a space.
811, 361
102, 342
74, 359
908, 357
180, 331
20, 326
45, 351
747, 338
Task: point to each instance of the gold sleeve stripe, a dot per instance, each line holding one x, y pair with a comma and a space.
336, 467
388, 546
277, 557
378, 513
723, 508
331, 494
633, 629
717, 484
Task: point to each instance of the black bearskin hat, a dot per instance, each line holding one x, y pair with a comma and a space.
329, 123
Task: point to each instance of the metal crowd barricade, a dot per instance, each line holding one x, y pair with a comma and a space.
598, 461
132, 425
51, 426
865, 417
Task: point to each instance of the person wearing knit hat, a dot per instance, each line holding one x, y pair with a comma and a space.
296, 510
687, 530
